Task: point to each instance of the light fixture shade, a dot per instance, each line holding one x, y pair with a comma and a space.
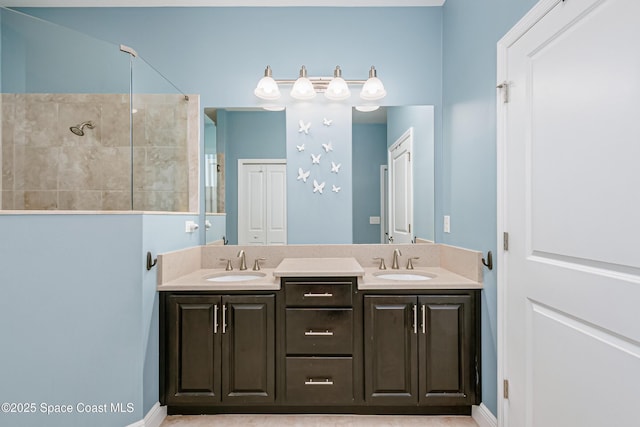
367, 108
303, 88
267, 87
337, 89
373, 88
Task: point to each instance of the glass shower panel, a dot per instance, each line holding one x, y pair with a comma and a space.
65, 140
165, 143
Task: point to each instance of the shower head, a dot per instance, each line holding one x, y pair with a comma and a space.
79, 129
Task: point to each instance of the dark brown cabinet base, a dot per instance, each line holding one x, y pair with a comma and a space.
319, 345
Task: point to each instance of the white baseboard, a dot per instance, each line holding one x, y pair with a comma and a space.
483, 416
154, 417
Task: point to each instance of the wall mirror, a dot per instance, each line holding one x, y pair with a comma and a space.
239, 137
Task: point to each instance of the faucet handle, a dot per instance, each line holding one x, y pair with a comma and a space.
382, 265
229, 267
256, 264
410, 262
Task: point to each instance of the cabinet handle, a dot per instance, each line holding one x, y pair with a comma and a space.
224, 319
312, 333
415, 319
424, 319
215, 319
326, 381
325, 294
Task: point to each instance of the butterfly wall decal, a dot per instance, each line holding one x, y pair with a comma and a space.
327, 122
300, 147
315, 160
317, 188
335, 168
304, 127
302, 175
327, 147
335, 189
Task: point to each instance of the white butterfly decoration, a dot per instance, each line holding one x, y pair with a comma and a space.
302, 175
304, 128
335, 168
327, 122
315, 160
317, 188
300, 147
327, 147
335, 189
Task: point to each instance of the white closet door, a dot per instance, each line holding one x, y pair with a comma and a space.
262, 202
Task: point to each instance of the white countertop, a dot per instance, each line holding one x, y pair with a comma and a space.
319, 267
368, 278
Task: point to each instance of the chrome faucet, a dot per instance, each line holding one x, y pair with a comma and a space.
243, 260
396, 254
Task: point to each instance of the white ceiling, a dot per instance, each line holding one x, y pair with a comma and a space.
258, 3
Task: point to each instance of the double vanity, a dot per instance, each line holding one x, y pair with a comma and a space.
320, 329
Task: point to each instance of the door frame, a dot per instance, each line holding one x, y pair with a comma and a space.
502, 87
384, 203
241, 164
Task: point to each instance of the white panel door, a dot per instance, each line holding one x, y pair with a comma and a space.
276, 205
401, 189
569, 283
262, 202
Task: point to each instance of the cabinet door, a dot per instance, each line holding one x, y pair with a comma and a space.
447, 371
248, 339
390, 350
194, 350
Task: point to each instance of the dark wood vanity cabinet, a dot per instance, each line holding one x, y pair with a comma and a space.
319, 325
420, 349
320, 345
219, 348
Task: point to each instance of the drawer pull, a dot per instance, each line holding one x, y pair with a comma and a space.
326, 381
312, 294
318, 333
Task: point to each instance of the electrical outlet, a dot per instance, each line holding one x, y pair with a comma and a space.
374, 220
190, 226
447, 224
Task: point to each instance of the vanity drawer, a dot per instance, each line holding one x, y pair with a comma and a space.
319, 330
314, 380
330, 294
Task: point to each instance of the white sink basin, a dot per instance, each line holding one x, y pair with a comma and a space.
231, 276
404, 276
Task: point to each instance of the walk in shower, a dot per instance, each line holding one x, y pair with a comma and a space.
89, 125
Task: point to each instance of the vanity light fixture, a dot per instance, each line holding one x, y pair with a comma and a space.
303, 88
334, 88
338, 88
267, 87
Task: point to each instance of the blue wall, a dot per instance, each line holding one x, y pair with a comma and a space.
316, 217
467, 181
369, 153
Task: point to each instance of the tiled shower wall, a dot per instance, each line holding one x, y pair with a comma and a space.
45, 166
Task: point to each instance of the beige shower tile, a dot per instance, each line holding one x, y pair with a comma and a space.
7, 164
37, 200
116, 200
7, 199
80, 200
114, 168
160, 201
40, 124
35, 168
166, 170
73, 114
115, 125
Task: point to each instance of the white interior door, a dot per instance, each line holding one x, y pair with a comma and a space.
262, 204
401, 189
569, 150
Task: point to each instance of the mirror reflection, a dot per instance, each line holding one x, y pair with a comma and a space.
252, 156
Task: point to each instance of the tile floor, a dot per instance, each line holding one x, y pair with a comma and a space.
316, 421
